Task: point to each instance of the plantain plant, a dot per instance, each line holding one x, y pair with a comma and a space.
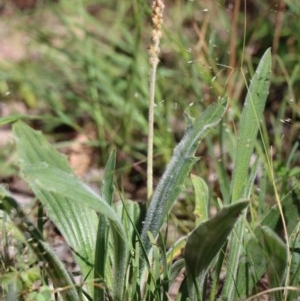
121, 258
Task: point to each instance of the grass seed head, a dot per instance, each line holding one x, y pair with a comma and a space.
157, 21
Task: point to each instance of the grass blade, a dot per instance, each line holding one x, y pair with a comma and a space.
55, 268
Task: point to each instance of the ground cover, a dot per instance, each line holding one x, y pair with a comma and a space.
79, 73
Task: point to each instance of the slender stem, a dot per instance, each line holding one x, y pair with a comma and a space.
157, 20
151, 129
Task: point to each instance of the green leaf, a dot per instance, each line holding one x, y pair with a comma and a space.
177, 267
63, 184
15, 117
295, 263
291, 211
201, 199
54, 180
55, 268
253, 265
177, 171
129, 211
249, 125
265, 253
69, 203
206, 240
250, 122
277, 258
70, 218
102, 241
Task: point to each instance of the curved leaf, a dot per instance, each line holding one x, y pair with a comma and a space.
205, 241
201, 199
70, 219
69, 203
177, 171
54, 180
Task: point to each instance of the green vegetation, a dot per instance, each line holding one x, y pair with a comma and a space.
85, 69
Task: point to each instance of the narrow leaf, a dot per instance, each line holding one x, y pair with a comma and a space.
102, 242
177, 171
249, 125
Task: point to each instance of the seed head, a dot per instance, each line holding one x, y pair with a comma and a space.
157, 20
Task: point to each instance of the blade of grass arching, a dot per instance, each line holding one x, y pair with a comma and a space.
69, 203
102, 232
249, 127
54, 180
177, 171
53, 266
